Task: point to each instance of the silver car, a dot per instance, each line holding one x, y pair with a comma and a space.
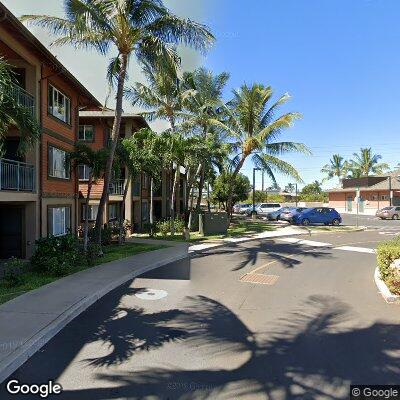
392, 212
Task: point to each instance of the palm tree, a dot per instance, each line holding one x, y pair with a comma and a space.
337, 167
145, 29
162, 98
253, 129
96, 161
366, 163
11, 112
202, 107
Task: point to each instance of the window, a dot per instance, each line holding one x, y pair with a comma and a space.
113, 211
93, 210
86, 133
59, 220
59, 105
83, 172
58, 163
374, 197
385, 197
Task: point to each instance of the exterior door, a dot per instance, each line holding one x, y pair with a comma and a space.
11, 233
361, 205
349, 204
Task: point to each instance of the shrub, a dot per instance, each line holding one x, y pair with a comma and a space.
57, 255
164, 227
92, 253
179, 225
106, 234
13, 269
387, 252
393, 282
149, 228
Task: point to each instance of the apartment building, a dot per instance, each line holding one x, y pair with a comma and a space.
38, 190
95, 125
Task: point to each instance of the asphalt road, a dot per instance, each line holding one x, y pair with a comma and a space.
371, 221
321, 326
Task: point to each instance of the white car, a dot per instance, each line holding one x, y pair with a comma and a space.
264, 208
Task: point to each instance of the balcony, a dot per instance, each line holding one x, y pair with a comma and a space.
24, 99
117, 187
17, 176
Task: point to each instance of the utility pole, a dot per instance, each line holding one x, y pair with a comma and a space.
254, 192
262, 180
296, 195
390, 191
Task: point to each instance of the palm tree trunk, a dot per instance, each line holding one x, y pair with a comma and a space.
121, 218
151, 203
86, 223
114, 138
235, 173
201, 185
173, 196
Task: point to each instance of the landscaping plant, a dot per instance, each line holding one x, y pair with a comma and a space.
13, 269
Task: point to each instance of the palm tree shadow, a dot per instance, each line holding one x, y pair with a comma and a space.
311, 353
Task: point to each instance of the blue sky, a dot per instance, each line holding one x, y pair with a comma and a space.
339, 60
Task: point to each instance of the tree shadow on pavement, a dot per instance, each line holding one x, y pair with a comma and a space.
314, 352
289, 255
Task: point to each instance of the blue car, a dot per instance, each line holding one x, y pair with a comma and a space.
318, 215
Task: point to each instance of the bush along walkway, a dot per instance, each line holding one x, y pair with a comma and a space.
387, 274
29, 321
56, 257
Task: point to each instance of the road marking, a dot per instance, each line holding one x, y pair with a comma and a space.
356, 249
305, 242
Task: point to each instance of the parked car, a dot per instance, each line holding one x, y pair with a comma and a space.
318, 215
288, 215
275, 215
263, 208
241, 208
389, 213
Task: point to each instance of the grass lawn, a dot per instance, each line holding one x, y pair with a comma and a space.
33, 280
237, 228
115, 252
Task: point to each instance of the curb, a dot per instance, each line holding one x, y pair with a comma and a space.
20, 355
384, 290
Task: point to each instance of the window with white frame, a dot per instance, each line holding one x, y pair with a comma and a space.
86, 133
93, 210
58, 163
59, 105
112, 211
59, 220
384, 197
83, 172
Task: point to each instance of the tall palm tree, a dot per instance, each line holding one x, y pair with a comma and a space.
11, 112
253, 129
145, 29
202, 107
337, 167
96, 161
366, 163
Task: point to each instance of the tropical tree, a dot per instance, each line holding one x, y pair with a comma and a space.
337, 167
11, 112
95, 161
366, 163
144, 29
202, 107
162, 99
145, 151
253, 129
228, 187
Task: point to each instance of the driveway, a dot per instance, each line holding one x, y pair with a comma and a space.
318, 326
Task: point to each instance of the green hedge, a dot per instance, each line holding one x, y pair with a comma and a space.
387, 252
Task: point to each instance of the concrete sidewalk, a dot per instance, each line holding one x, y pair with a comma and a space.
290, 230
31, 320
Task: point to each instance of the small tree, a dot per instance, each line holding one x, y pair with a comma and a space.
96, 162
226, 184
